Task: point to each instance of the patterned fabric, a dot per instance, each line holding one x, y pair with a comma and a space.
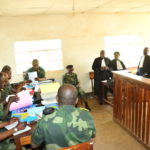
6, 145
1, 111
40, 72
64, 127
72, 78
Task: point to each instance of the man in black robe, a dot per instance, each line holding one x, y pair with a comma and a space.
101, 67
144, 64
116, 63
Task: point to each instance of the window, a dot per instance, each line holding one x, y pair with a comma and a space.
48, 52
129, 47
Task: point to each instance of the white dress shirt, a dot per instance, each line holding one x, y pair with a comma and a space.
119, 65
141, 62
103, 64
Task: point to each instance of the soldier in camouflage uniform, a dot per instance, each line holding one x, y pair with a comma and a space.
5, 143
66, 126
8, 87
4, 109
36, 68
71, 78
4, 106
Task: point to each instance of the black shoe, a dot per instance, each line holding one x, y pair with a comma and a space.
101, 103
88, 108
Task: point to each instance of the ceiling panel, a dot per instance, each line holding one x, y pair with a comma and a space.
30, 7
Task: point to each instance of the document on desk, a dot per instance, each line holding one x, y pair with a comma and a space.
27, 128
32, 76
9, 127
25, 99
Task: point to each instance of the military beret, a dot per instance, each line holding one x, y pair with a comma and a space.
69, 66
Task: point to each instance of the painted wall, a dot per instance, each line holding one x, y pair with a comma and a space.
82, 37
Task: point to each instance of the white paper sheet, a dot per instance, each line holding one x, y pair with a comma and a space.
32, 76
27, 128
9, 127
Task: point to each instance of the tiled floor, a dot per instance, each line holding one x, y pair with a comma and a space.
110, 136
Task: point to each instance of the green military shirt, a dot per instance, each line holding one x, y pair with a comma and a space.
6, 91
65, 127
40, 72
1, 111
70, 78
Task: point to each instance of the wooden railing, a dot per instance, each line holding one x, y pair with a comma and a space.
132, 105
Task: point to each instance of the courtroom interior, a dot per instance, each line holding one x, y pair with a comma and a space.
74, 75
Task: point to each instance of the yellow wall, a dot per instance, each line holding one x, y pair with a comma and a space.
82, 37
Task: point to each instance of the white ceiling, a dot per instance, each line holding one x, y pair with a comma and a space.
33, 7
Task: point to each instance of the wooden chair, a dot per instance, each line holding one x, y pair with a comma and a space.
82, 146
91, 76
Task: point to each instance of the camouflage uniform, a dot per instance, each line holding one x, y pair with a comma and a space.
1, 111
40, 72
6, 91
64, 127
73, 80
2, 107
5, 144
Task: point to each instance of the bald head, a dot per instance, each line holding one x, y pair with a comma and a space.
67, 95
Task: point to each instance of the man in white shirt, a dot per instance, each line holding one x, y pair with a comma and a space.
144, 64
116, 63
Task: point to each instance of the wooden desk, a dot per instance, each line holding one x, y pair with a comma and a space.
24, 138
132, 105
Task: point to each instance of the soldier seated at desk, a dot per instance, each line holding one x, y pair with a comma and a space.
9, 89
5, 134
66, 126
71, 78
4, 106
36, 68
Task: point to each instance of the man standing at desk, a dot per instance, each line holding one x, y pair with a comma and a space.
101, 66
66, 126
36, 68
144, 64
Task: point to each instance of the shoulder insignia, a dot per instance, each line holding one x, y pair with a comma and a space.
48, 110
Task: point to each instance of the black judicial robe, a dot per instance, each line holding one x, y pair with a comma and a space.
146, 65
100, 75
114, 65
